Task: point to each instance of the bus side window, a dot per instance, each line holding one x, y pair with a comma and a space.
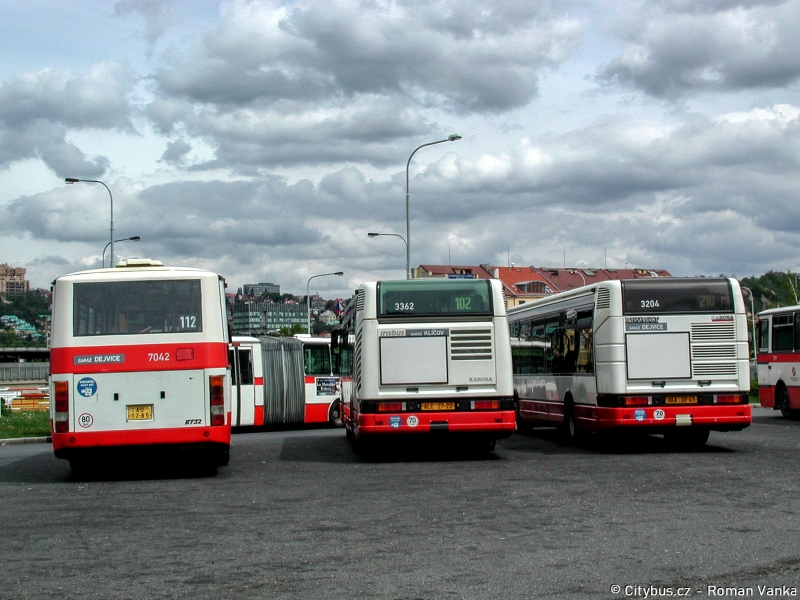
782, 333
317, 360
232, 363
246, 365
585, 344
538, 338
797, 332
763, 336
552, 351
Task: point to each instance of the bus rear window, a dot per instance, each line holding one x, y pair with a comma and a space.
137, 307
676, 296
432, 297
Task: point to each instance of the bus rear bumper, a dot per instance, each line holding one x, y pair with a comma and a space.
733, 417
498, 424
66, 443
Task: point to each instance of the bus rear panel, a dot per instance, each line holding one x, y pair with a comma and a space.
139, 359
429, 356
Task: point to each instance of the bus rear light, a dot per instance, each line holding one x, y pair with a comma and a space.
728, 399
486, 404
216, 384
390, 406
636, 400
62, 406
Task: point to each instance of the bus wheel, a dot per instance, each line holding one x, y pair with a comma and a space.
223, 457
522, 426
569, 429
335, 414
784, 404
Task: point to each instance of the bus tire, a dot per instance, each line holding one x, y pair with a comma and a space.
335, 414
783, 403
569, 428
223, 457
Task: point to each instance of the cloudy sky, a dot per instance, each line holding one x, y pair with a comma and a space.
265, 139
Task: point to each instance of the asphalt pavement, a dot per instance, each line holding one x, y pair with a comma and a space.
297, 515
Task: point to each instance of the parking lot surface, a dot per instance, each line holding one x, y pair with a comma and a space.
297, 515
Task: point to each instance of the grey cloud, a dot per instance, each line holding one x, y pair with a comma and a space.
672, 52
38, 109
432, 52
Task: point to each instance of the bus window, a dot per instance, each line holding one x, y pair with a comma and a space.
553, 349
763, 336
782, 333
317, 360
539, 339
246, 365
797, 332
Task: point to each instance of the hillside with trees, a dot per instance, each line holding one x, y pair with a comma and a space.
772, 290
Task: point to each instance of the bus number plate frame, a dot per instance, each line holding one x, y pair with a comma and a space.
438, 406
680, 400
140, 412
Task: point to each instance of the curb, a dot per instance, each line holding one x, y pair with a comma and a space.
28, 440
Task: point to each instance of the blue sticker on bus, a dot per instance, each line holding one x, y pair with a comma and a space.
639, 415
87, 387
394, 422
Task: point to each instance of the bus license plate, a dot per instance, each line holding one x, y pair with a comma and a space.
438, 406
680, 400
140, 412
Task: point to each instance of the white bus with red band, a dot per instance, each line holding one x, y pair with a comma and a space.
426, 355
283, 380
139, 359
779, 360
655, 355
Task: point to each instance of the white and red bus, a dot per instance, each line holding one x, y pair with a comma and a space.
283, 380
659, 355
423, 356
778, 360
139, 360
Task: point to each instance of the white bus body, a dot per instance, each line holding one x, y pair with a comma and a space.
667, 355
283, 380
427, 355
139, 359
778, 360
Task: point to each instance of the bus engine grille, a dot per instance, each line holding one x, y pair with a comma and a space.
470, 344
713, 332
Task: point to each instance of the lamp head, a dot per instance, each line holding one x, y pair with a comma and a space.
373, 234
339, 273
135, 238
454, 137
71, 180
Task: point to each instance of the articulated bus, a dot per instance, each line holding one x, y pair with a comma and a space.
139, 361
666, 356
778, 360
423, 356
281, 380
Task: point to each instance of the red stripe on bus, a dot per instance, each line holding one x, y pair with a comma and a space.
467, 422
258, 418
141, 357
142, 437
316, 413
259, 381
311, 379
764, 359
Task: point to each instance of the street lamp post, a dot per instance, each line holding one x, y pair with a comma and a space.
111, 236
308, 295
135, 238
451, 138
373, 235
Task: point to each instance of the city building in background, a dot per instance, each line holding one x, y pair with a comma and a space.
12, 281
259, 289
264, 318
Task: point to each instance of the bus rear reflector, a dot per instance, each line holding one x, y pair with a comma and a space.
390, 406
62, 406
486, 404
636, 400
216, 384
